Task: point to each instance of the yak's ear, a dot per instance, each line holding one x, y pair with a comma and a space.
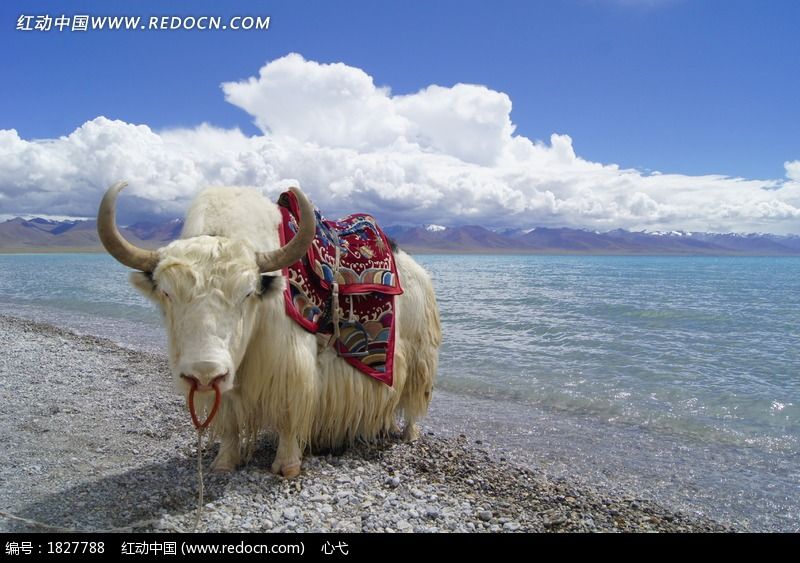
143, 281
270, 285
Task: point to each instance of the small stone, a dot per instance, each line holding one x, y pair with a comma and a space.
556, 521
485, 515
290, 514
392, 482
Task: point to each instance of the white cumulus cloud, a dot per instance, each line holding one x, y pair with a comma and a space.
792, 170
443, 156
336, 105
332, 105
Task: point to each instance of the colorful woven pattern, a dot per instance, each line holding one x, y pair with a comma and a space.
349, 262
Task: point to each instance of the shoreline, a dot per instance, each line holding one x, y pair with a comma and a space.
465, 251
101, 440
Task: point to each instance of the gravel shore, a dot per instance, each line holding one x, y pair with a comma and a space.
95, 438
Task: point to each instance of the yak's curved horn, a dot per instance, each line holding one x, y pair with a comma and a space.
126, 253
297, 247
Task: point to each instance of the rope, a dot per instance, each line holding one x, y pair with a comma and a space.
335, 292
351, 319
201, 428
210, 417
200, 491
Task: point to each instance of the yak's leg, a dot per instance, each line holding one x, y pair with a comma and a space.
410, 431
394, 429
292, 398
420, 336
229, 455
416, 390
287, 459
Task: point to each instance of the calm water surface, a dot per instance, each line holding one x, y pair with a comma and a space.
679, 377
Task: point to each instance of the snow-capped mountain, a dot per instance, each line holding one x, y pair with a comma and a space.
46, 234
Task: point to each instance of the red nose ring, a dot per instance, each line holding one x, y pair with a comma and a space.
217, 397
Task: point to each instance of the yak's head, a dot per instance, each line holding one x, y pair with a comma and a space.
210, 290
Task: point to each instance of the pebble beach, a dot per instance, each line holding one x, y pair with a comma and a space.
98, 440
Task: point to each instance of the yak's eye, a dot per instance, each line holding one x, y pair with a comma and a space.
165, 295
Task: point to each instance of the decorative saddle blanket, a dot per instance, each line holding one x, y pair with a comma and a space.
344, 287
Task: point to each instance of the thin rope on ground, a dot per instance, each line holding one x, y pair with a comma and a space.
200, 491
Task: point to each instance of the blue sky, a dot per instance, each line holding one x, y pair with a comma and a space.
687, 87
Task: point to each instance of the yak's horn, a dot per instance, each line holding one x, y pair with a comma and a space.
126, 253
297, 247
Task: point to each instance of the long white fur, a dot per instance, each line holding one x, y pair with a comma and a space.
282, 379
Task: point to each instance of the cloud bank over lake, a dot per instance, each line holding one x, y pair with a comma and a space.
446, 155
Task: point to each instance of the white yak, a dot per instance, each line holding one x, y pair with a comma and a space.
219, 287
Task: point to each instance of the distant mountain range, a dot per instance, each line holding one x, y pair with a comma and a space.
543, 240
43, 234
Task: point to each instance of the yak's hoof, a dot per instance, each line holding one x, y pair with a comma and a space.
288, 470
410, 433
222, 466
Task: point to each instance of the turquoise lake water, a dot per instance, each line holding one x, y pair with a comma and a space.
684, 368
